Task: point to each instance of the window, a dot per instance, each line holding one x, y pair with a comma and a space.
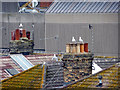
21, 61
12, 71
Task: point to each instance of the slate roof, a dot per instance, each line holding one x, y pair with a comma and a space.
84, 7
39, 59
29, 79
105, 62
50, 76
110, 79
7, 63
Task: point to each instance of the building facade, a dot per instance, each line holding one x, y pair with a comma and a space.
67, 19
63, 20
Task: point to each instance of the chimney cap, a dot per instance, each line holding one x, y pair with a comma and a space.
73, 39
20, 25
80, 40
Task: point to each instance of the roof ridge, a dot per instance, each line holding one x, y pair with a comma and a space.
91, 75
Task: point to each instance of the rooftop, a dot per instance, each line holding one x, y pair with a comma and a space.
84, 7
8, 63
30, 78
110, 79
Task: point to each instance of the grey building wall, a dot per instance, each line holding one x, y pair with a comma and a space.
105, 29
53, 31
0, 30
9, 6
119, 36
0, 6
10, 22
0, 24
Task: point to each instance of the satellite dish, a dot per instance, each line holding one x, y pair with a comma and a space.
34, 3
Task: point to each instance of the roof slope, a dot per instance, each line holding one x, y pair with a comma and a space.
7, 63
30, 78
105, 62
84, 7
110, 79
39, 59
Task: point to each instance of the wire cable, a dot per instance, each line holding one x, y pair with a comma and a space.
54, 37
52, 78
